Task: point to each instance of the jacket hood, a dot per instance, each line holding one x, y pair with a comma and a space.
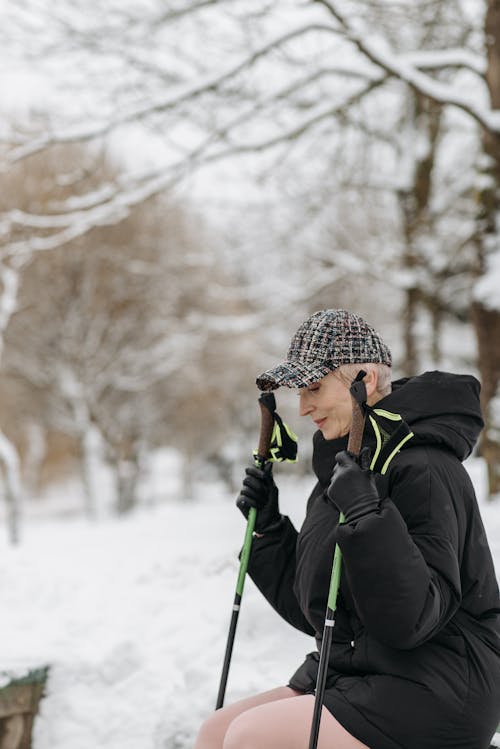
441, 409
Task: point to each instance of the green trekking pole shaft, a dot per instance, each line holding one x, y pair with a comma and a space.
267, 405
326, 644
245, 555
354, 447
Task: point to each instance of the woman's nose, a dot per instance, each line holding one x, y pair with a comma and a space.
305, 406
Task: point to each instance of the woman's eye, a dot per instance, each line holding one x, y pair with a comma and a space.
312, 389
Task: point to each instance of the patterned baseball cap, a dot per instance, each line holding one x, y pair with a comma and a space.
325, 341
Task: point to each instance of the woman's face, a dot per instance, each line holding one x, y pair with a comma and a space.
328, 403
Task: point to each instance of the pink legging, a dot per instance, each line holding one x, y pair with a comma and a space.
278, 719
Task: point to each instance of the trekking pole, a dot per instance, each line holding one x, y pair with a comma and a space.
267, 405
358, 398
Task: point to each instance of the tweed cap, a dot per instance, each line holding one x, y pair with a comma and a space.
325, 341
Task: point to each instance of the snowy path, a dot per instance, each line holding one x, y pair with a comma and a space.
133, 616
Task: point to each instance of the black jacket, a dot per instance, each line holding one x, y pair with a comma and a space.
415, 660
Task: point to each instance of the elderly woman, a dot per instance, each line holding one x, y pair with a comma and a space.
415, 656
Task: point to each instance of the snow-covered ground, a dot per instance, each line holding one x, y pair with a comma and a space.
132, 616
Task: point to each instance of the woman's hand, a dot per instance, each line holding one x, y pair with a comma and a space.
352, 488
260, 491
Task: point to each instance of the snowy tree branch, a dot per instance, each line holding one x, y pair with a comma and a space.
117, 203
400, 67
164, 104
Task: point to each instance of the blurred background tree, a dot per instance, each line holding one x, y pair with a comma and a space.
122, 339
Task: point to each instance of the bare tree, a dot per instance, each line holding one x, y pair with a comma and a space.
281, 75
117, 332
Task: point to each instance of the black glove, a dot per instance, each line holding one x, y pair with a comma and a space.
260, 491
352, 488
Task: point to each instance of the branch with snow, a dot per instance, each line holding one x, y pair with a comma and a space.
403, 67
81, 134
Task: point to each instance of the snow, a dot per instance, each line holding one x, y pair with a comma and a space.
132, 615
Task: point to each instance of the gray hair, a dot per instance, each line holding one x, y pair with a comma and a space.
347, 373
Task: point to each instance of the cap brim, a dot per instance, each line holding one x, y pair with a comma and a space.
292, 374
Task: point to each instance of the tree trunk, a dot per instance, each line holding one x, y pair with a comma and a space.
426, 118
127, 461
127, 473
91, 460
9, 460
487, 320
437, 321
487, 326
35, 453
410, 314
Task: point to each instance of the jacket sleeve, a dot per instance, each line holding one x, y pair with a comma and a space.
402, 564
272, 568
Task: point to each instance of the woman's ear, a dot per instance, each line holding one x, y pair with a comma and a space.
371, 382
